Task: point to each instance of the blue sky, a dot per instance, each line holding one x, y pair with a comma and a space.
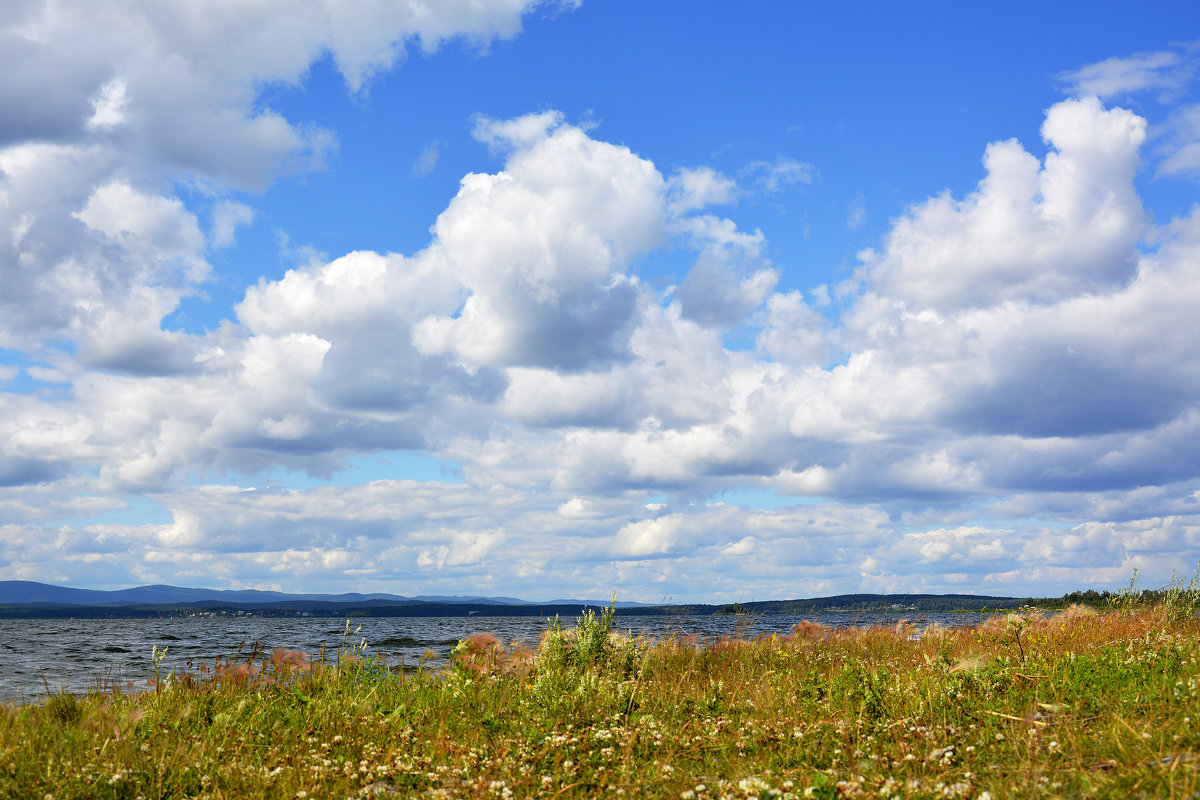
686, 300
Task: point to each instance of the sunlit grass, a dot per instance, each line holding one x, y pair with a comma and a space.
1079, 704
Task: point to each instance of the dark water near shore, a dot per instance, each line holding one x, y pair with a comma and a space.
77, 655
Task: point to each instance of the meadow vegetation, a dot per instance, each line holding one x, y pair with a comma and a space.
1081, 703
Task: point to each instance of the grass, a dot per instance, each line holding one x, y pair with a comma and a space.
1079, 704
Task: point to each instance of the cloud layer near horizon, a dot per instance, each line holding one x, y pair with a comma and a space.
1004, 396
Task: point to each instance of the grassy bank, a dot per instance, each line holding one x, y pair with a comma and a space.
1080, 704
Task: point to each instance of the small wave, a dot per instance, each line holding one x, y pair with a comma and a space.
408, 641
167, 637
397, 641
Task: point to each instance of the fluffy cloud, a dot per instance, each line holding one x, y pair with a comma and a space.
185, 80
365, 304
694, 189
794, 332
102, 109
1032, 233
152, 227
543, 250
1165, 75
729, 279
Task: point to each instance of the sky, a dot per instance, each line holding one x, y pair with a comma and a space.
682, 301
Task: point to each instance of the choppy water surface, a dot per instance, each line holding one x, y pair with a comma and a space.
79, 654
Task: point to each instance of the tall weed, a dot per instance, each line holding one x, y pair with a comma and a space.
1179, 600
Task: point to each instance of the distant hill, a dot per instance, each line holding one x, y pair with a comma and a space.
31, 593
863, 603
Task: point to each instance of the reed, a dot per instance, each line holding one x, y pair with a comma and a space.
1078, 704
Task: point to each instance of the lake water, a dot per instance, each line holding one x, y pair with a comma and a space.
79, 654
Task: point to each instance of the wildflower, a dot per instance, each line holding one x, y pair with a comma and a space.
943, 754
753, 786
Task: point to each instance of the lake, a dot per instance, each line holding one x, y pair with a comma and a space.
78, 654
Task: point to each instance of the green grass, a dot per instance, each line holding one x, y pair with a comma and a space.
1075, 705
